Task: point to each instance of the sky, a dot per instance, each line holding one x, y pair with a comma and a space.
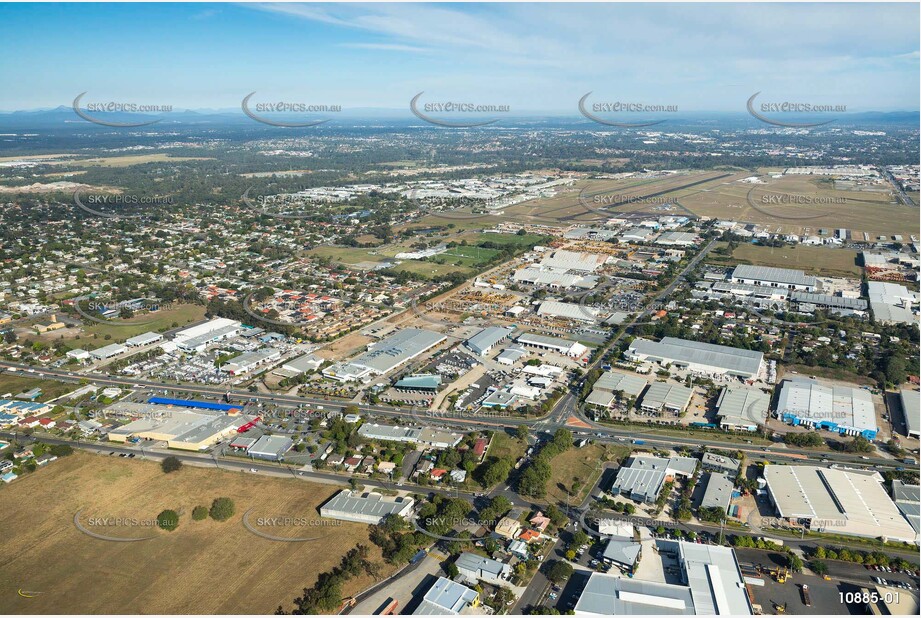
531, 57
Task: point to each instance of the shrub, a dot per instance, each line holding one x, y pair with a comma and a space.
199, 513
168, 520
222, 509
170, 464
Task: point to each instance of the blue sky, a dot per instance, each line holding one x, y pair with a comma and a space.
533, 57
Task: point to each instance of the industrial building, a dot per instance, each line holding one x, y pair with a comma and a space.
742, 408
774, 277
610, 383
642, 478
144, 339
908, 500
385, 355
841, 409
717, 491
622, 553
422, 383
482, 342
837, 501
698, 357
299, 365
433, 438
720, 463
113, 349
574, 261
565, 347
661, 396
271, 448
892, 303
911, 407
712, 585
447, 598
197, 338
568, 311
365, 508
553, 279
179, 428
248, 361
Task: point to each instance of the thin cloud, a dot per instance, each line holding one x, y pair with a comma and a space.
386, 47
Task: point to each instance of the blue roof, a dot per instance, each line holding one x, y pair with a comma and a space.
188, 403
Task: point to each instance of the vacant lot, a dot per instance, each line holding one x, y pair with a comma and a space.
51, 389
817, 260
118, 330
581, 466
201, 567
505, 446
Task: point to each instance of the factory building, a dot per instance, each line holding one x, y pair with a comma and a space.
697, 357
248, 361
483, 342
774, 277
842, 409
565, 347
197, 338
568, 311
366, 508
385, 355
742, 408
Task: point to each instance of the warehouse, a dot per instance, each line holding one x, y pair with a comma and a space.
621, 552
565, 261
419, 383
433, 438
554, 280
742, 408
774, 277
555, 344
642, 478
837, 501
447, 598
661, 396
482, 342
248, 361
366, 508
892, 303
697, 357
712, 585
510, 355
472, 568
144, 339
827, 301
841, 409
272, 448
197, 338
299, 365
677, 239
720, 463
911, 406
568, 311
385, 355
113, 349
717, 491
180, 429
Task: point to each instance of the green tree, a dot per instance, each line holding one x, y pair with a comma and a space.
522, 432
170, 464
168, 520
222, 509
199, 513
559, 571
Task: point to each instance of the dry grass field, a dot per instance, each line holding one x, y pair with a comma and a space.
822, 261
201, 567
803, 205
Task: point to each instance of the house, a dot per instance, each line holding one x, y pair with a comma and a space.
473, 568
519, 549
335, 459
351, 463
46, 458
508, 527
438, 473
46, 423
29, 422
529, 536
458, 476
386, 467
539, 521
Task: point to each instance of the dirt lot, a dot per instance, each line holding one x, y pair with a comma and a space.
201, 567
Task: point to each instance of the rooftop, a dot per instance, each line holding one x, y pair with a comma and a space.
785, 276
731, 360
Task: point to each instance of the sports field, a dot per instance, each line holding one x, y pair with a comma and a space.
201, 567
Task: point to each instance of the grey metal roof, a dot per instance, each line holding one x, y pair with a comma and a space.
715, 579
785, 276
720, 461
393, 433
487, 338
397, 349
620, 382
475, 563
718, 491
911, 405
611, 595
828, 300
741, 405
445, 597
144, 338
271, 446
663, 395
643, 482
622, 551
732, 360
368, 504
